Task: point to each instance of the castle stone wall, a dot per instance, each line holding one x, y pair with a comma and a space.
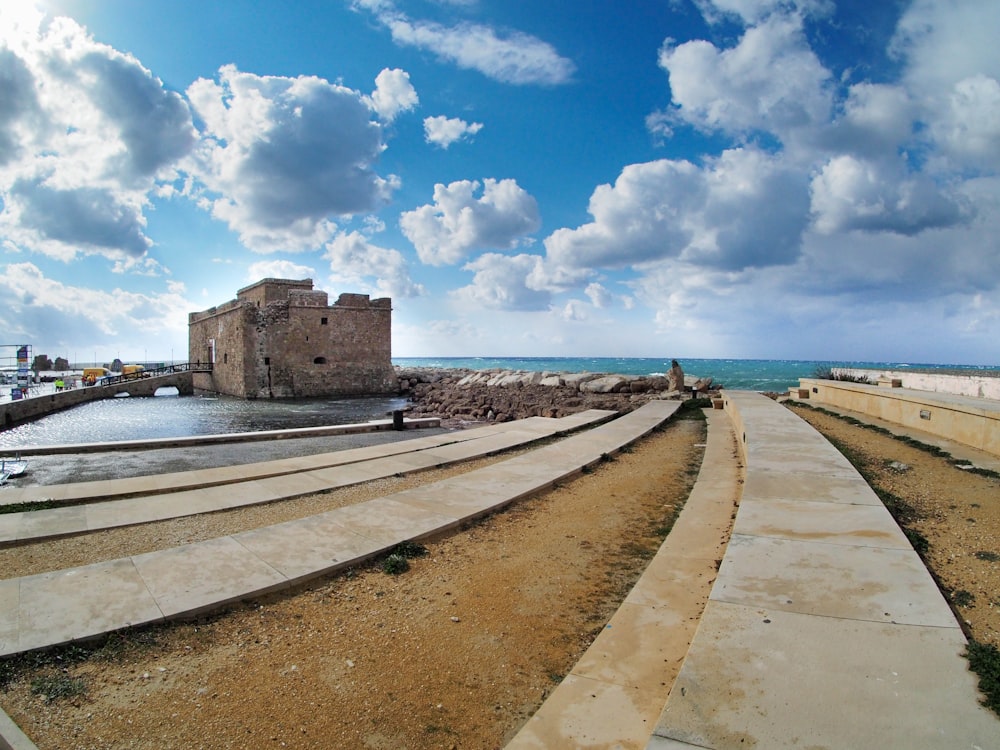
281, 339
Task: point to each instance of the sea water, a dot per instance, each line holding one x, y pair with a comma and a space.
162, 417
735, 374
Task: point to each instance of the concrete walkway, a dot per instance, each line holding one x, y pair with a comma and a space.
824, 628
159, 497
614, 694
78, 603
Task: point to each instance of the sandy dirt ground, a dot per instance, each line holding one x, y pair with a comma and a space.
457, 652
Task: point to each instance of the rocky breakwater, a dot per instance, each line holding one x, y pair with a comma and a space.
461, 395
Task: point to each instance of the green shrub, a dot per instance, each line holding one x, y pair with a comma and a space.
395, 564
984, 660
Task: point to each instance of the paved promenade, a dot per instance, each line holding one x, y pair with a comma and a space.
824, 628
78, 603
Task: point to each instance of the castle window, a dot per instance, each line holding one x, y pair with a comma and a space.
267, 360
225, 359
319, 361
322, 321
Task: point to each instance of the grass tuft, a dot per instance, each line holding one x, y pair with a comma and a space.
53, 687
984, 660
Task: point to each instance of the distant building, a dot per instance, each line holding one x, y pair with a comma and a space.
281, 339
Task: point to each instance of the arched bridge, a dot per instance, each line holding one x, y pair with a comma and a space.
145, 383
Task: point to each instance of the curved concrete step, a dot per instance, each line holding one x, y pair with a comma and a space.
614, 694
823, 628
229, 487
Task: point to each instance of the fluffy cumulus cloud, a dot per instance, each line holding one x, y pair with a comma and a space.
444, 131
358, 263
875, 192
507, 56
278, 269
852, 194
38, 308
458, 222
393, 94
736, 89
500, 282
948, 51
86, 135
742, 209
280, 156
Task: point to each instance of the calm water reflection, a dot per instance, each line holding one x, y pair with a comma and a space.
158, 417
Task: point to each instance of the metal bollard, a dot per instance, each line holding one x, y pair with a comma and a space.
397, 420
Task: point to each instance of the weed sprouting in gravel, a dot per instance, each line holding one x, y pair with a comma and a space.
395, 564
963, 598
409, 549
52, 687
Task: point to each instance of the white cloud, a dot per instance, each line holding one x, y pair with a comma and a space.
353, 259
509, 57
457, 222
278, 269
393, 94
62, 318
86, 133
598, 295
737, 89
942, 43
500, 283
852, 194
753, 11
951, 67
444, 131
967, 126
282, 155
742, 209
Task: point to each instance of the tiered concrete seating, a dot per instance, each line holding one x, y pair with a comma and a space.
67, 605
613, 696
824, 628
159, 497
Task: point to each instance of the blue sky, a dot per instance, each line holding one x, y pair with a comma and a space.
804, 179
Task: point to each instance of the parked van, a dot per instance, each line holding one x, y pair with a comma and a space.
133, 372
92, 374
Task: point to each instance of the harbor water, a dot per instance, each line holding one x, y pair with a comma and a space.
163, 417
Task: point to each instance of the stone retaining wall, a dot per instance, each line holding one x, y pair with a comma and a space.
961, 383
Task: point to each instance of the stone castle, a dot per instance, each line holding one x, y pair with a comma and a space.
280, 338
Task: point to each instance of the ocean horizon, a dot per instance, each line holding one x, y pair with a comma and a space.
734, 374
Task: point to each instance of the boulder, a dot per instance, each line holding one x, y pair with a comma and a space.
606, 384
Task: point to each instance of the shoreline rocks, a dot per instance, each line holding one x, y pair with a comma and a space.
463, 395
